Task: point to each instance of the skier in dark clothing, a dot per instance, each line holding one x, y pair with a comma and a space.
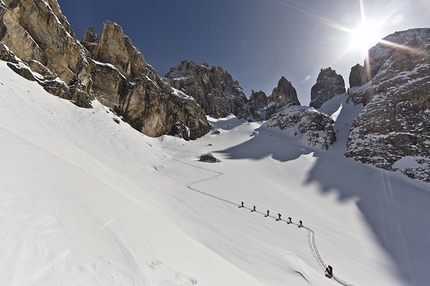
267, 213
289, 220
329, 270
300, 223
241, 205
253, 209
279, 216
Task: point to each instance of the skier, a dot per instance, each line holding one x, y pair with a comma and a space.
279, 216
300, 223
253, 209
289, 220
267, 213
241, 205
329, 270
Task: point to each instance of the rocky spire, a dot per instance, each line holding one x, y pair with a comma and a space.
328, 85
358, 76
114, 47
213, 88
258, 102
284, 94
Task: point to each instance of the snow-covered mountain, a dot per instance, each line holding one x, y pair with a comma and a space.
391, 132
86, 200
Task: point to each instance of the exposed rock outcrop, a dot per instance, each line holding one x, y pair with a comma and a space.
328, 85
37, 33
39, 43
393, 130
314, 127
284, 94
124, 81
358, 76
257, 105
262, 107
214, 89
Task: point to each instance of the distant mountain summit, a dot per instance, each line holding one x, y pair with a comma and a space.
328, 85
213, 88
220, 95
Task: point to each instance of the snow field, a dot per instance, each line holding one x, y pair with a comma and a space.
87, 201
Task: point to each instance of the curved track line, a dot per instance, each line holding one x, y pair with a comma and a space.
217, 174
311, 233
316, 253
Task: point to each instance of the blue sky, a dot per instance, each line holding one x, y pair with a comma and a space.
256, 41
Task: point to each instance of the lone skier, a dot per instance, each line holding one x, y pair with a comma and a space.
300, 223
329, 270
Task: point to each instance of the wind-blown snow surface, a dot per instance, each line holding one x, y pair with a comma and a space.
87, 201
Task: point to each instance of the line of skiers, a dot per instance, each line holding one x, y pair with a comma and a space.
254, 209
329, 269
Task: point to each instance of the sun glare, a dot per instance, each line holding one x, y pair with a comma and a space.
364, 37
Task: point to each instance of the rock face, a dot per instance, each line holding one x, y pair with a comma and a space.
39, 43
262, 107
284, 94
257, 105
306, 123
393, 130
358, 76
124, 81
38, 34
219, 95
328, 85
214, 89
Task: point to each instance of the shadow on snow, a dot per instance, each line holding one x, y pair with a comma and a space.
268, 142
395, 207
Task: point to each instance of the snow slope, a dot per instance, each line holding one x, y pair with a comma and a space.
87, 201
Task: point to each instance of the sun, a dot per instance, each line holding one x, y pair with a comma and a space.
364, 37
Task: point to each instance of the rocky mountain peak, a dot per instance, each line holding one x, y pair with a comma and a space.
328, 85
39, 44
393, 129
358, 76
258, 102
284, 94
40, 36
213, 88
391, 132
114, 47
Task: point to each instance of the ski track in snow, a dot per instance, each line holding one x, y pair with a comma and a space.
311, 233
315, 251
70, 176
